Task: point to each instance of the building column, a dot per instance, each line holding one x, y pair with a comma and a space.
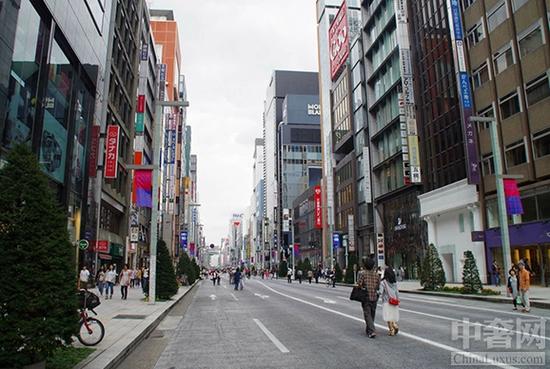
432, 232
479, 247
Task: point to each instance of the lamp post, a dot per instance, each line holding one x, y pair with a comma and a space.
499, 177
155, 211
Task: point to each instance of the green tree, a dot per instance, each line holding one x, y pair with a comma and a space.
185, 267
470, 274
432, 275
38, 303
307, 266
167, 286
299, 266
338, 272
350, 278
283, 269
195, 269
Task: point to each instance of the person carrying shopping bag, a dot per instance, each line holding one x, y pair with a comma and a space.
390, 301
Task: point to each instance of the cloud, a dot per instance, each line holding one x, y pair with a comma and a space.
229, 51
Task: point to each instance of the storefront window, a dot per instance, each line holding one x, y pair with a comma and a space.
53, 149
30, 44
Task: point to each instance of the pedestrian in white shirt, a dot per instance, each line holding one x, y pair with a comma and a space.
110, 279
125, 277
84, 277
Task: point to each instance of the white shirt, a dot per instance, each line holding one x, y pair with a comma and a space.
124, 277
84, 275
110, 276
145, 273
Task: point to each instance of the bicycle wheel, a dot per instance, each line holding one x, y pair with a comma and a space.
92, 333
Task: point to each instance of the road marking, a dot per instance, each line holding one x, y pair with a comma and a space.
325, 300
235, 297
440, 302
224, 286
270, 335
451, 349
263, 297
466, 321
343, 298
212, 297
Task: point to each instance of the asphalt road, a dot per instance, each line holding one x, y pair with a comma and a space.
273, 324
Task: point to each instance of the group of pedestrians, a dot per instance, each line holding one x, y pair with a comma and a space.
107, 277
519, 282
377, 287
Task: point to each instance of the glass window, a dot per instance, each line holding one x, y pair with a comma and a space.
30, 46
487, 164
529, 209
515, 154
531, 41
516, 4
537, 90
84, 106
503, 59
475, 34
509, 105
543, 204
497, 16
541, 143
53, 149
480, 75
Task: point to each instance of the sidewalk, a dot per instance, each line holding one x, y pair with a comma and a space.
539, 296
126, 323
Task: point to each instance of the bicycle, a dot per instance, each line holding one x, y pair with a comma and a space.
91, 331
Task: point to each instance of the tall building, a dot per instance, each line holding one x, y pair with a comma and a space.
262, 255
282, 83
509, 59
176, 163
450, 203
52, 69
395, 157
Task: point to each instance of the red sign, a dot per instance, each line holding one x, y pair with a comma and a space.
318, 209
236, 224
101, 246
141, 104
111, 151
94, 146
338, 38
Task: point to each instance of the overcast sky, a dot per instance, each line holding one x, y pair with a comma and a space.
229, 50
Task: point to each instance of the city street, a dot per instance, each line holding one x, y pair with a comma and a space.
273, 324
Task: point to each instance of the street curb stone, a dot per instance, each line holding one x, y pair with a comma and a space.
117, 360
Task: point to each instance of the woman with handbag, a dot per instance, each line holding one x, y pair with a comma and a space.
390, 301
513, 288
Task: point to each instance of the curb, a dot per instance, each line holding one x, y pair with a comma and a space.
501, 300
117, 360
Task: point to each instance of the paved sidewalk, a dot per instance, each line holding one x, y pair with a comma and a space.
126, 323
539, 296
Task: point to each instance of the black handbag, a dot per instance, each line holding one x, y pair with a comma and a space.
359, 294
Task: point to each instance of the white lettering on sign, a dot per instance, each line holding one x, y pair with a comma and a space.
313, 109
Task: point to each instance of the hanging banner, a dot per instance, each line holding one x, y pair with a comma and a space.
513, 198
351, 233
143, 188
338, 38
366, 171
94, 148
286, 220
111, 151
183, 239
380, 249
318, 209
335, 240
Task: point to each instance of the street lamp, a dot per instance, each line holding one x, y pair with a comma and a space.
160, 105
499, 177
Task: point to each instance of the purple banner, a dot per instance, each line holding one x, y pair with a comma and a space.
523, 234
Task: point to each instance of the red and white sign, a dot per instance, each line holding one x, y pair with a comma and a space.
111, 151
236, 223
141, 104
94, 146
338, 38
318, 209
102, 246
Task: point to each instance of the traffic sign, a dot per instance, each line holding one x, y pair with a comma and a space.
83, 244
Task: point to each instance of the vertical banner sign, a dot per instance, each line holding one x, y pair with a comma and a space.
351, 233
111, 151
94, 148
513, 199
366, 171
335, 241
338, 38
318, 209
465, 91
296, 249
407, 114
144, 51
286, 220
380, 249
183, 239
162, 81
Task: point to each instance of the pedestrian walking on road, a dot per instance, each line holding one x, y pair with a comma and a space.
100, 280
214, 278
390, 301
495, 269
125, 278
237, 278
289, 275
84, 278
300, 274
110, 279
513, 288
138, 277
145, 281
370, 280
309, 276
524, 285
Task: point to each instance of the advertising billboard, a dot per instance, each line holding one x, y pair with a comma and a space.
338, 38
111, 151
318, 208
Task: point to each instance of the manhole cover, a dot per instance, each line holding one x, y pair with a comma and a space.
129, 316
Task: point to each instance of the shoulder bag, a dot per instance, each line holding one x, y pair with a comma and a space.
359, 294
